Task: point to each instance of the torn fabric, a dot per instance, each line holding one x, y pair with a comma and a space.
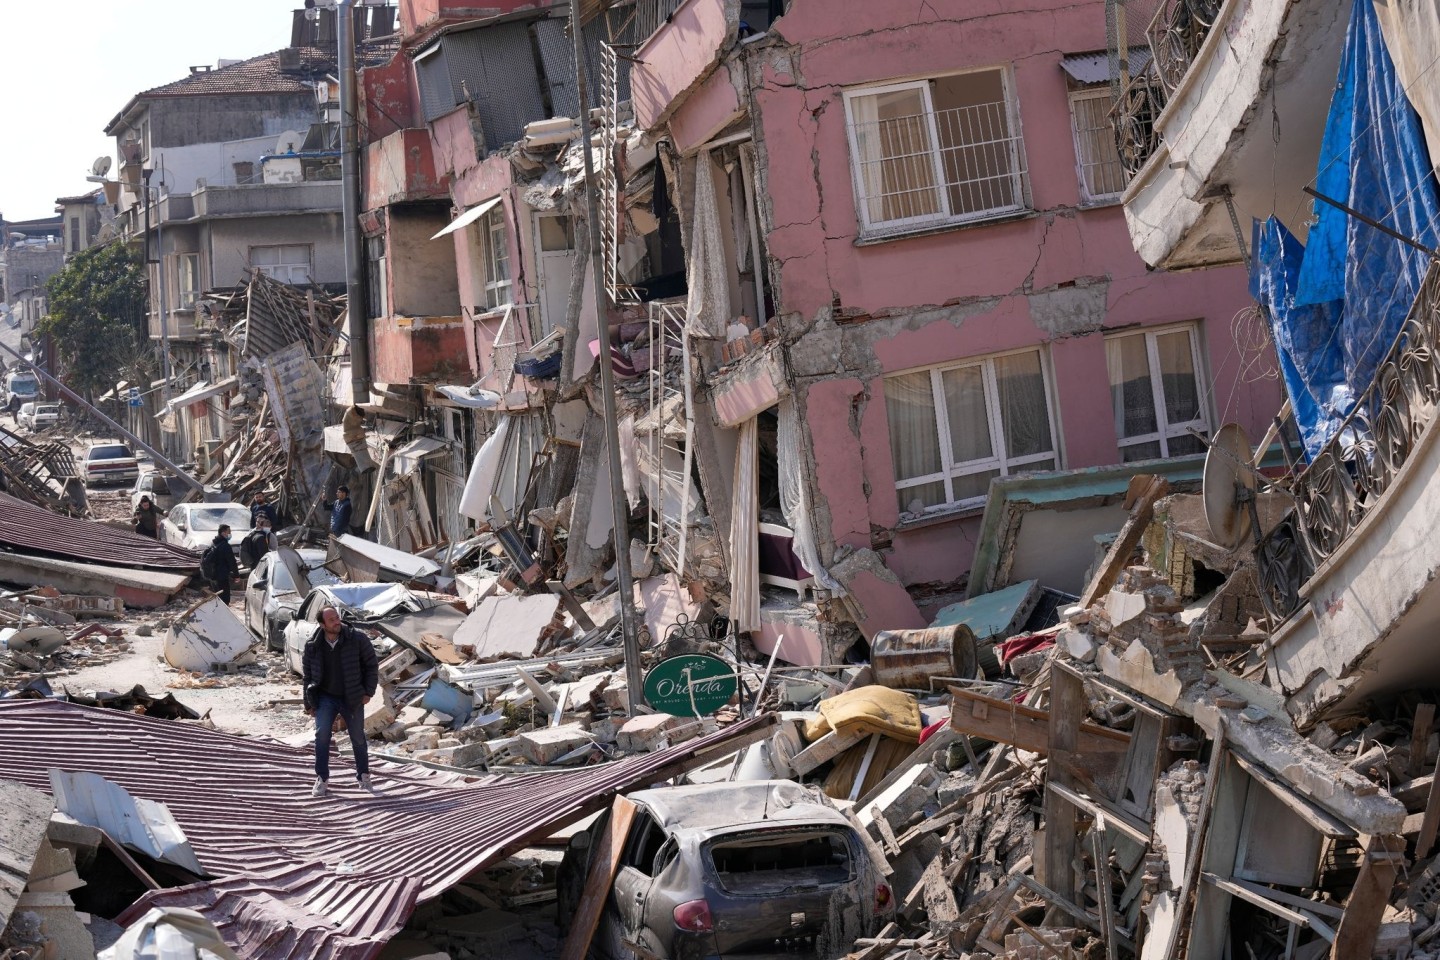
745, 532
480, 484
794, 498
707, 311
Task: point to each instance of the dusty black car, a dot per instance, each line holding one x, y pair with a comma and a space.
754, 869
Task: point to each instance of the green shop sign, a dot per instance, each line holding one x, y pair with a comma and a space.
692, 685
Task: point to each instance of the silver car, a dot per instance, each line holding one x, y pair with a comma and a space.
272, 598
759, 869
194, 525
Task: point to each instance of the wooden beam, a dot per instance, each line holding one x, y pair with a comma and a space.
1431, 820
1114, 817
1067, 706
1141, 497
604, 863
1365, 909
1003, 721
1420, 737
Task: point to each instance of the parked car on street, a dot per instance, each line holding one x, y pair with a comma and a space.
38, 416
108, 461
156, 486
193, 525
272, 598
759, 869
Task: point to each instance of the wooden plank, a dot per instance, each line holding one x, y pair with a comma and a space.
1114, 817
1144, 491
1430, 822
826, 748
1289, 899
939, 740
1104, 890
1198, 842
604, 863
1002, 721
1313, 816
1249, 895
1365, 909
1067, 706
1420, 737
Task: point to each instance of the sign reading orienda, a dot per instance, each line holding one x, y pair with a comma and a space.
691, 685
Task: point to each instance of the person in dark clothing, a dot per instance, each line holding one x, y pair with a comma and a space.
340, 512
218, 563
340, 675
261, 507
257, 542
147, 519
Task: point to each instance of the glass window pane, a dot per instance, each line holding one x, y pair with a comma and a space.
1024, 417
1130, 393
1140, 451
914, 435
1177, 376
914, 500
974, 485
1185, 445
965, 405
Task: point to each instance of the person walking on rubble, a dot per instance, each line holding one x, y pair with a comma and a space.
260, 507
217, 563
340, 673
147, 519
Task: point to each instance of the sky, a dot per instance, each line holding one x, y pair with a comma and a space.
70, 67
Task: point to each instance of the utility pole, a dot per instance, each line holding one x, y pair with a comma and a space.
619, 506
350, 204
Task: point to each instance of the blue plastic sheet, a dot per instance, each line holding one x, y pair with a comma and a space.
1312, 363
1372, 158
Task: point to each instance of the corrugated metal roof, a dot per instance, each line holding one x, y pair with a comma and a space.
26, 528
245, 806
1091, 68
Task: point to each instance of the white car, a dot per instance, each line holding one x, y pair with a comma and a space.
271, 597
194, 525
154, 485
108, 461
38, 416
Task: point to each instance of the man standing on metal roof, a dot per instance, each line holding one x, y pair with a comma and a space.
340, 676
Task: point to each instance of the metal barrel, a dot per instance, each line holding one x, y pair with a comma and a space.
907, 659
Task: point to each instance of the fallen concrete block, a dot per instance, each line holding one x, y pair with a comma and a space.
379, 714
508, 624
205, 635
545, 746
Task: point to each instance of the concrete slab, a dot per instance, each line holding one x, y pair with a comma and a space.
507, 624
544, 746
137, 588
24, 820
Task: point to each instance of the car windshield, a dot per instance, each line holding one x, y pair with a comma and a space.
210, 518
48, 408
280, 577
25, 384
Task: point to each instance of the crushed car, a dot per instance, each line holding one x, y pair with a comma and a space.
759, 869
389, 609
272, 596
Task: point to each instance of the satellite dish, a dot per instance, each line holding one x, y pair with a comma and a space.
289, 142
1228, 486
100, 167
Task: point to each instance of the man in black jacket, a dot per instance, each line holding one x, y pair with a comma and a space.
340, 676
219, 564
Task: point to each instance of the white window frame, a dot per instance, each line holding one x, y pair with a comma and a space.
498, 293
1166, 431
1019, 173
1091, 93
185, 299
285, 270
998, 460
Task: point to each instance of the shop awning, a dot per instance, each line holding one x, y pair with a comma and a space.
407, 459
203, 390
468, 217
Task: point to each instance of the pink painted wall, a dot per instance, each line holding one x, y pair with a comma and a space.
678, 55
400, 167
967, 292
709, 108
419, 348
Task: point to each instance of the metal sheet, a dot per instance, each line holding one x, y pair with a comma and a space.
29, 529
245, 805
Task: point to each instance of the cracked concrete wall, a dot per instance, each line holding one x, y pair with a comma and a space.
854, 312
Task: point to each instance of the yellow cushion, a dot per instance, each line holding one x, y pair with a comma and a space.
867, 710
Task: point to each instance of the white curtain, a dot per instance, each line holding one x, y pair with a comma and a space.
629, 462
794, 495
480, 484
707, 312
745, 533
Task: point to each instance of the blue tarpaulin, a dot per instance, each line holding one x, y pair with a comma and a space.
1311, 361
1337, 305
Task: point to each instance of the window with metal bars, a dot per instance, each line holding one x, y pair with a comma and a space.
954, 428
930, 152
1155, 379
1097, 156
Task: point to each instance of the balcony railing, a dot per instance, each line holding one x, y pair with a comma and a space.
1346, 480
1175, 34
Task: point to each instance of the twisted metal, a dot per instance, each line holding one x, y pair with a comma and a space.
1346, 480
1176, 34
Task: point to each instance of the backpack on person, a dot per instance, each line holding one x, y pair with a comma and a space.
208, 563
